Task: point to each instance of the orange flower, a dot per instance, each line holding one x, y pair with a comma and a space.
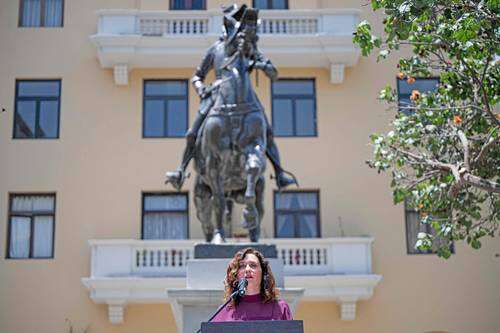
410, 80
497, 115
420, 206
415, 94
457, 120
400, 75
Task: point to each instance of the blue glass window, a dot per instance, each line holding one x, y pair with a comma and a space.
294, 108
31, 226
165, 108
270, 4
187, 4
296, 214
165, 216
37, 109
41, 13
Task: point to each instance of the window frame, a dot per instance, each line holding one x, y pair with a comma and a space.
295, 97
37, 99
171, 6
410, 249
164, 98
42, 16
297, 212
270, 2
31, 215
164, 193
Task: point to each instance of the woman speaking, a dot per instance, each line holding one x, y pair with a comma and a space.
260, 301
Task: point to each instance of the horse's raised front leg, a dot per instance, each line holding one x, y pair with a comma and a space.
255, 164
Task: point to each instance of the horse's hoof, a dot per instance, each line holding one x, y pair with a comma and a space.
250, 218
218, 239
254, 235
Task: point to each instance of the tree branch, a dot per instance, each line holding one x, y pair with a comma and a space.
490, 142
465, 144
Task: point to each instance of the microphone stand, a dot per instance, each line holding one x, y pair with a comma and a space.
233, 296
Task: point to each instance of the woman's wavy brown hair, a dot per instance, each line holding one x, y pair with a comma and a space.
268, 291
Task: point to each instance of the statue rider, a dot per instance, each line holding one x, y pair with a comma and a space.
214, 59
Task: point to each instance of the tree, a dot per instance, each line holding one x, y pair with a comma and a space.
443, 151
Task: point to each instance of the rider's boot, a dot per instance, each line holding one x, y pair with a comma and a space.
283, 178
177, 177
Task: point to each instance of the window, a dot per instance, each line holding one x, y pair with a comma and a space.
423, 85
414, 226
165, 216
296, 214
165, 108
187, 4
37, 109
270, 4
31, 226
41, 13
294, 108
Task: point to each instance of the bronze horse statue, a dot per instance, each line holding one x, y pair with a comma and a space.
230, 136
230, 155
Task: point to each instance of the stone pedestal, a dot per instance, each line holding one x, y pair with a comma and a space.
204, 290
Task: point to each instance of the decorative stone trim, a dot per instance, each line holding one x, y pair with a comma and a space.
319, 38
337, 73
115, 312
120, 73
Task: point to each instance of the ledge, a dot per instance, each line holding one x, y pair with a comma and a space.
129, 39
117, 292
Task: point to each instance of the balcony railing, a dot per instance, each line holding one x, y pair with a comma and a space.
128, 39
121, 258
127, 271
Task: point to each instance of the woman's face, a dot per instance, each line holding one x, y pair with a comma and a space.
250, 269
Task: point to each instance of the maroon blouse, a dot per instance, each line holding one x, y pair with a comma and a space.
252, 308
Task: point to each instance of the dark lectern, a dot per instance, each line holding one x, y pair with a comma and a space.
254, 326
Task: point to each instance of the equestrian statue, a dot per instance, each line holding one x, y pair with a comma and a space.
231, 136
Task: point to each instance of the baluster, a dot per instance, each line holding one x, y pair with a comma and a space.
283, 256
164, 27
319, 257
304, 257
173, 257
290, 256
162, 258
311, 257
181, 263
325, 257
297, 257
144, 258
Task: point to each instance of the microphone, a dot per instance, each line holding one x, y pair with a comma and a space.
242, 287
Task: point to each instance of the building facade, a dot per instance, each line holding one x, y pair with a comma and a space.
95, 100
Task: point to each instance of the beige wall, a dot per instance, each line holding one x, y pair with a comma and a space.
100, 166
